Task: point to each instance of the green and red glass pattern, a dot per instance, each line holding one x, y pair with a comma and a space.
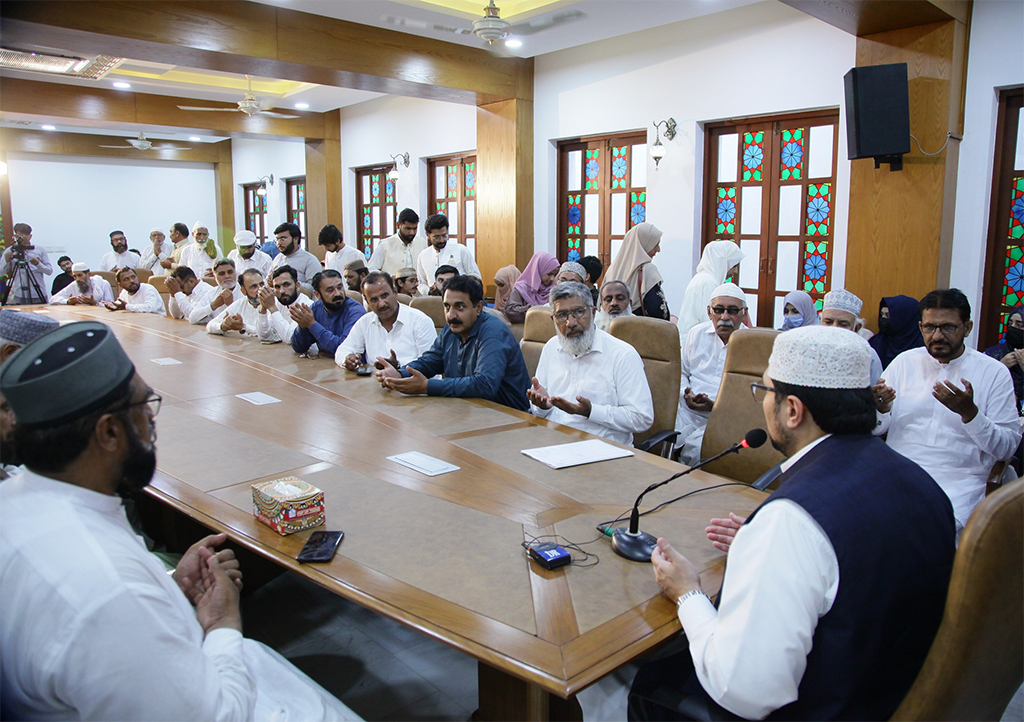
470, 180
367, 228
302, 197
1016, 228
620, 166
1013, 278
574, 250
575, 214
453, 181
637, 208
592, 168
753, 156
442, 206
815, 271
726, 211
375, 188
791, 154
389, 191
819, 209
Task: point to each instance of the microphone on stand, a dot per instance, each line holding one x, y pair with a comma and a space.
637, 545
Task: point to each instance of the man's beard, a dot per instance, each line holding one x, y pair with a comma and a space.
578, 345
134, 288
332, 306
604, 319
948, 352
288, 300
84, 286
139, 464
254, 301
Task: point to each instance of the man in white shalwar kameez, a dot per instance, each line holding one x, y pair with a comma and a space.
719, 261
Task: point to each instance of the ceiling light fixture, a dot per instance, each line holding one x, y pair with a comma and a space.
265, 180
194, 138
49, 127
3, 168
513, 43
302, 106
121, 85
402, 158
657, 147
491, 26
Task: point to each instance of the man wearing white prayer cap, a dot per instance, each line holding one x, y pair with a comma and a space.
246, 255
703, 357
84, 290
841, 309
160, 249
788, 640
204, 250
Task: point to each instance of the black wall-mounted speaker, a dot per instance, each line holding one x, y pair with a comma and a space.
877, 111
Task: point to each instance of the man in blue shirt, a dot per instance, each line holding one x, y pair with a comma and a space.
328, 321
476, 352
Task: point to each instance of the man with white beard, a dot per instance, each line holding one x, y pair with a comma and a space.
586, 378
84, 290
614, 303
703, 357
159, 250
226, 292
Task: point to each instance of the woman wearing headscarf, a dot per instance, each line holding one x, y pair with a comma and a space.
798, 310
633, 267
504, 279
720, 260
1011, 351
533, 286
898, 331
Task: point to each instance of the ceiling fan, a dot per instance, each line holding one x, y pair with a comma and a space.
248, 105
143, 143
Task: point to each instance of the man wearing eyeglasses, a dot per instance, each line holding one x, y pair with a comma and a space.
442, 253
948, 407
703, 357
587, 378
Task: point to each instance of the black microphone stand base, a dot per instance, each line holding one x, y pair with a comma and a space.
635, 547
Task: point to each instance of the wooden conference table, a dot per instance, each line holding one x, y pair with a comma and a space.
440, 554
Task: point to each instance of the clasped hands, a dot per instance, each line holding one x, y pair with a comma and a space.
211, 581
539, 397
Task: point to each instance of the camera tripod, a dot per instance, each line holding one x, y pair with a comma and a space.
30, 289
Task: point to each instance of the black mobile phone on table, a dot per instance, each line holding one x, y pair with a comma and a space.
320, 547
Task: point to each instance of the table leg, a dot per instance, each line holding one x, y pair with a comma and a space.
504, 697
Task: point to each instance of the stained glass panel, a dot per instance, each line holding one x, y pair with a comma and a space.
440, 206
726, 211
753, 155
620, 166
453, 181
791, 154
389, 191
592, 168
302, 197
819, 209
637, 208
575, 214
1016, 229
470, 180
815, 266
366, 224
574, 250
1013, 285
375, 188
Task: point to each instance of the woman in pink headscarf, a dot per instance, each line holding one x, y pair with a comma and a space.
504, 279
533, 286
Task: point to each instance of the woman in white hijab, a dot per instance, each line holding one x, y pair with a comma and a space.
719, 261
633, 267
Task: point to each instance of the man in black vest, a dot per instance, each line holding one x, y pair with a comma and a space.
835, 585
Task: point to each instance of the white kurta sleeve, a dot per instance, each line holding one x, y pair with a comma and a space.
634, 412
61, 297
214, 324
782, 576
470, 263
151, 302
265, 330
355, 342
996, 428
106, 292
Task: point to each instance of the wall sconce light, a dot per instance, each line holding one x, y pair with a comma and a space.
402, 158
657, 147
265, 180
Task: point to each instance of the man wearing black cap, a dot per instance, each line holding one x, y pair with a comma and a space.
93, 627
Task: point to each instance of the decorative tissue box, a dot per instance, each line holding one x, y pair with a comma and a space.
288, 505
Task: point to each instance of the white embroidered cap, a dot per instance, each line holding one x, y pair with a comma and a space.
842, 300
157, 229
729, 289
199, 224
821, 357
80, 267
245, 238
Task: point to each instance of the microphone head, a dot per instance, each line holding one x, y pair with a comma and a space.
754, 439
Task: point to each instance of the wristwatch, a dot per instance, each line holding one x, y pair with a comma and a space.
691, 593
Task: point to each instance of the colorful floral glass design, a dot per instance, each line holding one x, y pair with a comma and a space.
726, 211
574, 250
1013, 286
302, 197
753, 155
575, 214
1016, 229
637, 208
389, 192
453, 181
815, 266
592, 168
819, 208
470, 180
791, 154
440, 206
620, 166
375, 188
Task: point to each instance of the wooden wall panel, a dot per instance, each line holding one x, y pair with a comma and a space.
504, 219
867, 17
224, 187
900, 229
323, 184
41, 141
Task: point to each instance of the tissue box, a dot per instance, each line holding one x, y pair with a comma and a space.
288, 505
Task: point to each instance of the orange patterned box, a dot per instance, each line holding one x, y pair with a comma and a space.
288, 505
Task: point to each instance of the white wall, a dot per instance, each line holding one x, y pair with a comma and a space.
995, 61
373, 131
253, 159
755, 60
73, 204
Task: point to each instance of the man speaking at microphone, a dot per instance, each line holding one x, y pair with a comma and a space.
827, 610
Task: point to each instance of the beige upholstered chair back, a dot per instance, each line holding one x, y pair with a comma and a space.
976, 662
143, 274
498, 315
538, 329
211, 281
355, 296
657, 342
433, 307
160, 284
109, 277
736, 412
404, 298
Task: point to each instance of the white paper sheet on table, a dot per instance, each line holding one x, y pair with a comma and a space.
166, 361
258, 398
562, 456
422, 463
